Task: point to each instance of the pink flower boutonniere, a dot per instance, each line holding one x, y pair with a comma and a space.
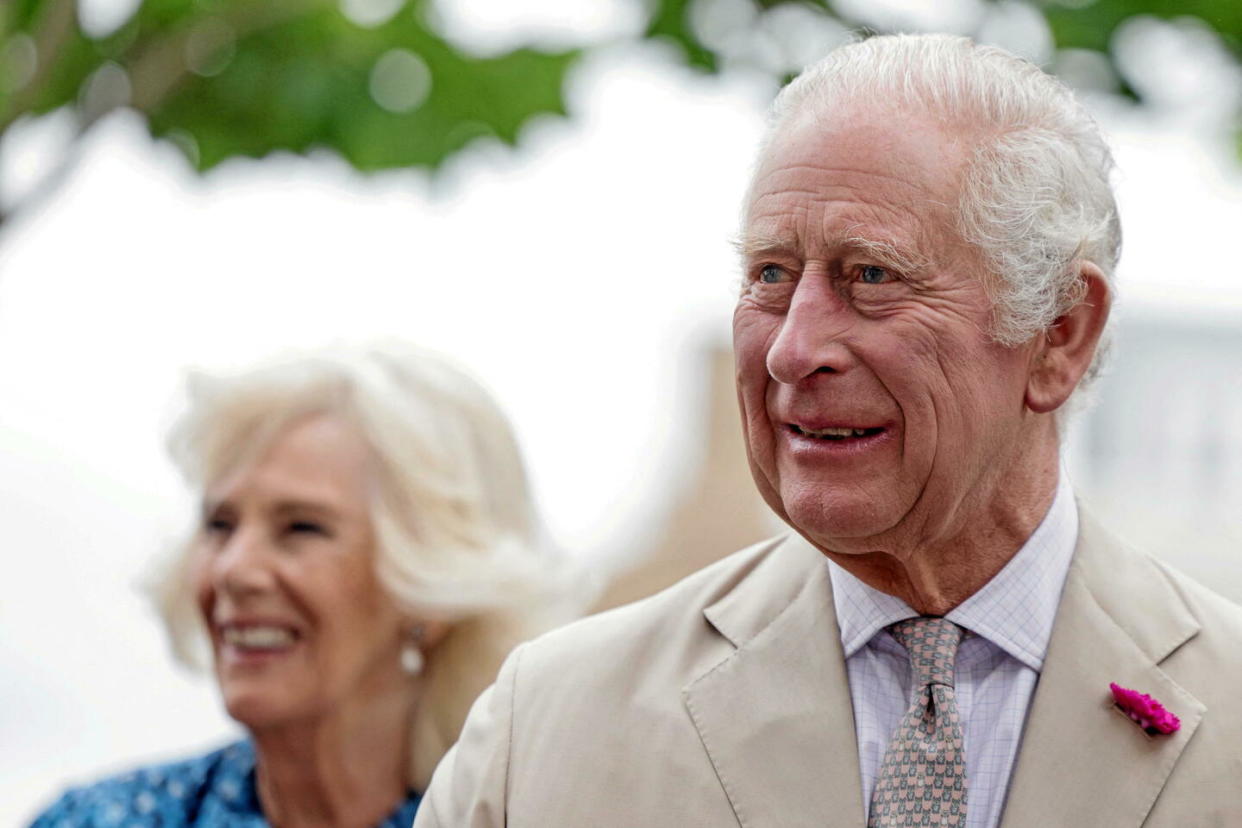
1146, 711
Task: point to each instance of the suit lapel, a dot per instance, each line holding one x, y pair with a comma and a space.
1081, 761
775, 717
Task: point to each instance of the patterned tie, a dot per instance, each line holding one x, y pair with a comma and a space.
922, 780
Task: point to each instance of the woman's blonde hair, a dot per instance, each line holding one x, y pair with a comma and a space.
458, 538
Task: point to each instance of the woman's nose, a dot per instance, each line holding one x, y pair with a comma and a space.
244, 563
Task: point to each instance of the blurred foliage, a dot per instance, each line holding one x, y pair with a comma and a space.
229, 78
1091, 25
1073, 24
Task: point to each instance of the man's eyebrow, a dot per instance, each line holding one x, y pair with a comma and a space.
887, 253
755, 244
749, 244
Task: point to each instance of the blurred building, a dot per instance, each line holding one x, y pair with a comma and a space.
1159, 457
720, 510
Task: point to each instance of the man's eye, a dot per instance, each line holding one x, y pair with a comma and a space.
873, 275
771, 274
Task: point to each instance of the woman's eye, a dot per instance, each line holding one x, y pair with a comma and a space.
873, 275
307, 527
771, 274
217, 526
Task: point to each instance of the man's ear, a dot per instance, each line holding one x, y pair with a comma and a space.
1069, 344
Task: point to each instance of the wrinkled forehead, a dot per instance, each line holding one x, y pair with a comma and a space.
909, 151
862, 176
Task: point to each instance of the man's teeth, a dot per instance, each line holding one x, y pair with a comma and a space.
258, 636
833, 433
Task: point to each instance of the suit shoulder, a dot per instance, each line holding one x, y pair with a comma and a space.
1206, 664
1125, 580
662, 624
686, 598
1210, 607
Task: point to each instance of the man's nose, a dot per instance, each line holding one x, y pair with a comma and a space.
243, 563
810, 340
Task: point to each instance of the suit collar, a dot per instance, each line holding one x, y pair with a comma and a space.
768, 588
1134, 591
775, 716
1081, 762
776, 720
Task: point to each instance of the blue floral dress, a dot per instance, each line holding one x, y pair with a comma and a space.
212, 791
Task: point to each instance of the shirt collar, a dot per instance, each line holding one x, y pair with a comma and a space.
1014, 610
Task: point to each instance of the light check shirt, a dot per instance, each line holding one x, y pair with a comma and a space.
1008, 623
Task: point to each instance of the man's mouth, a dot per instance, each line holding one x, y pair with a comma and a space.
842, 433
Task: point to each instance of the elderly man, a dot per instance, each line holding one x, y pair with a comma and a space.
928, 247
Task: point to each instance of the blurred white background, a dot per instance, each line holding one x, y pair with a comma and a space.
578, 278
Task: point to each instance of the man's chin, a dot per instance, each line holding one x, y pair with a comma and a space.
840, 524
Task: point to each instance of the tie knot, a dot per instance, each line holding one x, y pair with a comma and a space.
932, 644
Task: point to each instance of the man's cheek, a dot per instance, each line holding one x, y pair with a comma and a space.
752, 387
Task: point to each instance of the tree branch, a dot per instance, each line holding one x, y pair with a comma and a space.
50, 37
159, 67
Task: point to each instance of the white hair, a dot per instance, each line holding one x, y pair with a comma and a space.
457, 535
1035, 194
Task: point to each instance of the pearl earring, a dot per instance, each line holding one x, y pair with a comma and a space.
412, 661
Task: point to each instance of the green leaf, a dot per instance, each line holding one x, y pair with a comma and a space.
1092, 25
306, 83
670, 23
21, 15
160, 15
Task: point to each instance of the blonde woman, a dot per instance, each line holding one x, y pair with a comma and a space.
367, 554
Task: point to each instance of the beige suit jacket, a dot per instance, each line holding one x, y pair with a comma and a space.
723, 701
